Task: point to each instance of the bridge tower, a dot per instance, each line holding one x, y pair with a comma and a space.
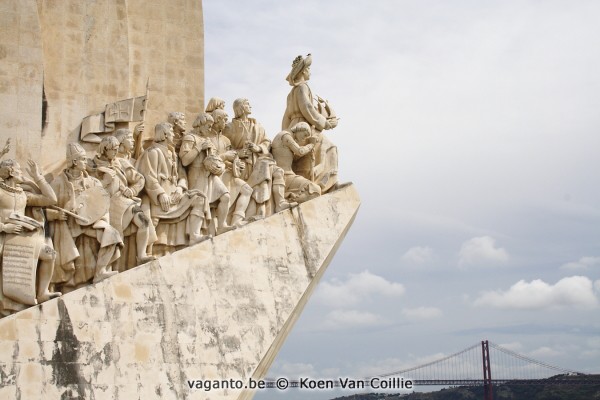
487, 372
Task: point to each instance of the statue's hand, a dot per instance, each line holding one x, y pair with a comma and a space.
108, 171
12, 228
34, 171
230, 154
139, 128
331, 123
254, 148
164, 201
176, 197
207, 144
240, 164
127, 192
56, 215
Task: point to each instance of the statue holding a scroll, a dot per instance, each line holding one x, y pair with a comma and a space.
27, 256
175, 211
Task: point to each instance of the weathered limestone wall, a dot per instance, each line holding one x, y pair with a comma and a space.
84, 54
217, 310
21, 77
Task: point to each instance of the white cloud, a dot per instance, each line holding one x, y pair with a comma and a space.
481, 250
418, 255
545, 352
342, 319
583, 263
574, 291
513, 346
597, 286
356, 289
422, 312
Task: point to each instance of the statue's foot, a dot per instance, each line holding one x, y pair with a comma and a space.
225, 228
284, 205
145, 259
48, 295
103, 275
240, 223
195, 239
255, 218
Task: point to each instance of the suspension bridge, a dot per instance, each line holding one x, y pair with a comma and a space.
482, 364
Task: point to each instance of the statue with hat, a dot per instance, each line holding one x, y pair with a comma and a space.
86, 243
305, 106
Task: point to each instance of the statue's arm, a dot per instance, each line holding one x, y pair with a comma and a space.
148, 166
308, 110
294, 147
188, 151
48, 197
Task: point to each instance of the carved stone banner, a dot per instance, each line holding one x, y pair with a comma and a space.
19, 266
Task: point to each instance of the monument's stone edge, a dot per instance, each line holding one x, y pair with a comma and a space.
197, 314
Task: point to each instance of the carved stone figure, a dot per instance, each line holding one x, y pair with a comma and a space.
204, 166
126, 144
87, 245
290, 145
215, 103
304, 106
123, 183
239, 191
167, 200
249, 140
22, 241
177, 119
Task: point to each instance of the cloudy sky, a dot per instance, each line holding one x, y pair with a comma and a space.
472, 133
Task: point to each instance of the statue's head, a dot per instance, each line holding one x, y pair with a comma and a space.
177, 119
220, 118
125, 138
163, 132
76, 156
108, 147
301, 131
300, 69
203, 123
215, 103
241, 106
11, 169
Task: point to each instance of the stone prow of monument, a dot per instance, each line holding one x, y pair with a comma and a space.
218, 310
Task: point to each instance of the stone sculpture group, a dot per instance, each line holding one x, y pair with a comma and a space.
133, 202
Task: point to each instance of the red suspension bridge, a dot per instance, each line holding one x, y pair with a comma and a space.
483, 364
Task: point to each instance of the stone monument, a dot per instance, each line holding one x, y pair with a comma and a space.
150, 258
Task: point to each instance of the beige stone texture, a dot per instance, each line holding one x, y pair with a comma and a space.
204, 312
84, 54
